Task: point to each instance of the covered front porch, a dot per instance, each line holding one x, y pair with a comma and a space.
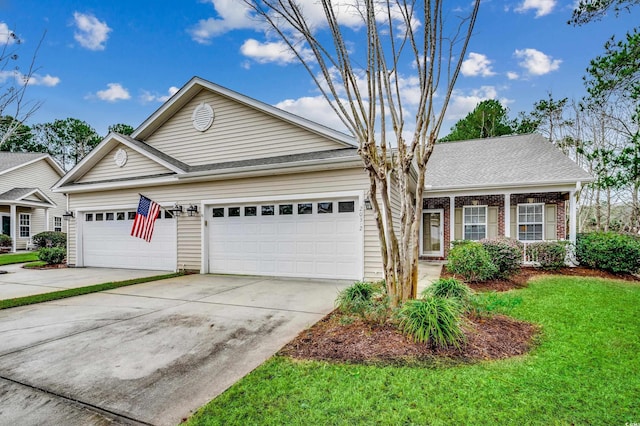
527, 214
24, 212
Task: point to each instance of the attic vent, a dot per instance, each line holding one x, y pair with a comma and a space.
202, 117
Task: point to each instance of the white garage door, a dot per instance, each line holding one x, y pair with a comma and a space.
315, 239
107, 242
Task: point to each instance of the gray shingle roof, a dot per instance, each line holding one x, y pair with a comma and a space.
504, 161
9, 160
16, 193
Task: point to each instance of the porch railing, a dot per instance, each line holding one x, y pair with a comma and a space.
529, 256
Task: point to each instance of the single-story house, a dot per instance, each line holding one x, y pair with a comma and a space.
27, 204
247, 188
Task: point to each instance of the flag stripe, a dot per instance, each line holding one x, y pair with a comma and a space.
145, 219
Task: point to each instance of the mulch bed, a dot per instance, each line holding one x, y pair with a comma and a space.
329, 340
491, 338
56, 266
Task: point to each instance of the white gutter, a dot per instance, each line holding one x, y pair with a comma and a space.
505, 185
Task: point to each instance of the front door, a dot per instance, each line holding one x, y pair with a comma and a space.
6, 225
432, 233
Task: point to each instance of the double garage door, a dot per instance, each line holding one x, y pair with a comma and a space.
320, 238
107, 242
306, 238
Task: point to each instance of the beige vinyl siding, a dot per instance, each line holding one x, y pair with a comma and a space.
239, 132
36, 175
189, 229
137, 165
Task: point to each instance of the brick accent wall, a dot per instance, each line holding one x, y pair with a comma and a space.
497, 200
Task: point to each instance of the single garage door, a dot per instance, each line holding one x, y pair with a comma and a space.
107, 242
314, 239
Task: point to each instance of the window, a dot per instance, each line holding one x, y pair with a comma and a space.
168, 214
120, 216
250, 211
346, 207
88, 217
99, 216
530, 222
131, 215
475, 222
57, 223
305, 208
268, 210
110, 216
217, 212
285, 209
25, 225
326, 207
234, 211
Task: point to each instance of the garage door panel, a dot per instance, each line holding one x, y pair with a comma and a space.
322, 245
108, 243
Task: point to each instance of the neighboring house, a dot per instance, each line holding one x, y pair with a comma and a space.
27, 204
246, 188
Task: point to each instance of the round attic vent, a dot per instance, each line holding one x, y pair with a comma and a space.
202, 117
120, 158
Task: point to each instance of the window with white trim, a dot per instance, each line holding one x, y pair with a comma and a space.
57, 223
530, 222
474, 222
24, 220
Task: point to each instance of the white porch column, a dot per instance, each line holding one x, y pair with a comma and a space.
573, 217
507, 215
14, 227
47, 226
452, 219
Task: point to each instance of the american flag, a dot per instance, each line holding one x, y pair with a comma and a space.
145, 219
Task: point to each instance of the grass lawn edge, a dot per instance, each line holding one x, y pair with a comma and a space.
72, 292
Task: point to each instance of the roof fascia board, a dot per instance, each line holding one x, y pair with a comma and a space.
46, 157
40, 194
28, 203
196, 84
516, 189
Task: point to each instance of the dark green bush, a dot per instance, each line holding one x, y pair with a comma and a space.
5, 240
472, 262
434, 320
449, 288
618, 253
50, 239
52, 255
548, 254
505, 253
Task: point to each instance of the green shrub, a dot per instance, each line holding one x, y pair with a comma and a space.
52, 255
434, 320
365, 299
50, 239
472, 262
5, 240
549, 254
505, 253
449, 288
609, 251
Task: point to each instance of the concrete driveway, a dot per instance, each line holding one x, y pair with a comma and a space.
150, 353
19, 282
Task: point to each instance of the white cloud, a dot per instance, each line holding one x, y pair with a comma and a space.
114, 93
35, 79
461, 104
7, 37
232, 15
513, 75
542, 7
314, 108
278, 52
476, 64
536, 62
91, 33
148, 96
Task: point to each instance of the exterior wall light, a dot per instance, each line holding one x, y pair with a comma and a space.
367, 204
176, 209
68, 215
192, 210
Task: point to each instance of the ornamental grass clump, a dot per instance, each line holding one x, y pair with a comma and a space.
367, 300
449, 288
472, 262
433, 320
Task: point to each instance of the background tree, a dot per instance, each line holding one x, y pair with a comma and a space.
20, 138
68, 140
488, 119
123, 129
593, 10
358, 73
13, 102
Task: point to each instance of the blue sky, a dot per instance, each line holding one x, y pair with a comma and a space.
117, 61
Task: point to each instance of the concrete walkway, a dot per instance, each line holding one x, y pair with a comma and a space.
19, 282
150, 353
428, 272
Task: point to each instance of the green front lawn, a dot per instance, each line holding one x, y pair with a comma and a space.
9, 258
584, 370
